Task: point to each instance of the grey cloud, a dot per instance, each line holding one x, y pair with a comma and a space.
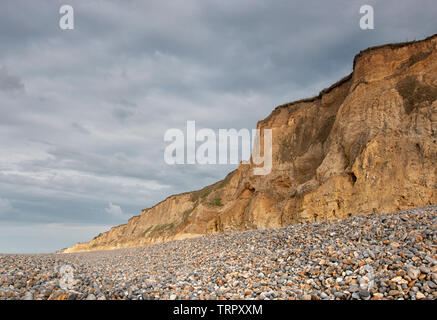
80, 128
5, 206
9, 82
123, 114
114, 210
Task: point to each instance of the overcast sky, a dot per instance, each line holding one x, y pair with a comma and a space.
83, 112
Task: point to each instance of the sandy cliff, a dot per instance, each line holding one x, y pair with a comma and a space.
368, 143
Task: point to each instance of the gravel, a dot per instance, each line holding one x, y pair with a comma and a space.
387, 256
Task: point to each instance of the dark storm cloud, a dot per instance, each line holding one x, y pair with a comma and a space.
83, 112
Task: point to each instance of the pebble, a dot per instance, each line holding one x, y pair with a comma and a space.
364, 293
420, 296
28, 296
413, 273
323, 295
91, 297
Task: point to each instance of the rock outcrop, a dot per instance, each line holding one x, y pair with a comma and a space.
366, 144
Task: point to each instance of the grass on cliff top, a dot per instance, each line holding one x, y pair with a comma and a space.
216, 203
98, 236
205, 192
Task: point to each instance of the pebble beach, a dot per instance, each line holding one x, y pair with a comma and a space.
371, 257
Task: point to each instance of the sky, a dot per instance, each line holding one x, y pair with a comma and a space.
83, 112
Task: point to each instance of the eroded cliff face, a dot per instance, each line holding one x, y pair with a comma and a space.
367, 144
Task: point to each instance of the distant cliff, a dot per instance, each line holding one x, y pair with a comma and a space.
366, 144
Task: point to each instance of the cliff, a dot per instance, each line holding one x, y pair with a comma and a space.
366, 144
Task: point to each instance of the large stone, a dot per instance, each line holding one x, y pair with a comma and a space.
413, 273
91, 297
28, 296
